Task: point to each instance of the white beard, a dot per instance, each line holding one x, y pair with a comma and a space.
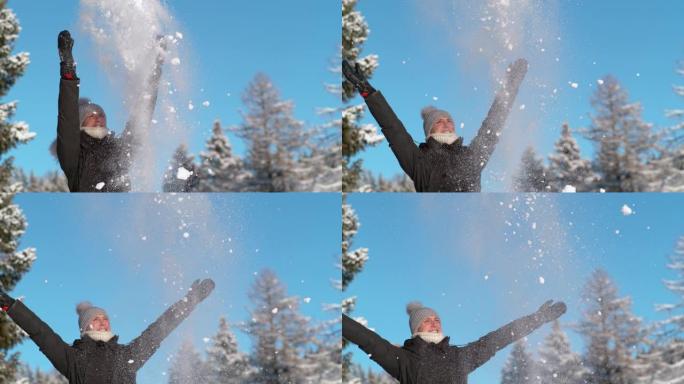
445, 138
96, 132
99, 335
430, 337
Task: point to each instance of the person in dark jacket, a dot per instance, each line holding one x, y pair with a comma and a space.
97, 357
442, 163
92, 157
427, 357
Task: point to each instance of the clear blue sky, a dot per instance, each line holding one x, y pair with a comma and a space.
431, 49
468, 257
128, 254
228, 43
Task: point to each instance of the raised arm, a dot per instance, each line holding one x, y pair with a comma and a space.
478, 352
488, 135
378, 349
401, 143
145, 345
143, 110
68, 121
51, 345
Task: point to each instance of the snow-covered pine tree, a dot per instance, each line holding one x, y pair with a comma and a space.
323, 163
672, 328
220, 170
225, 363
14, 263
275, 139
280, 334
557, 363
531, 175
187, 366
398, 183
520, 367
355, 136
567, 167
181, 174
353, 261
12, 67
669, 175
25, 375
664, 361
52, 181
323, 361
625, 143
611, 332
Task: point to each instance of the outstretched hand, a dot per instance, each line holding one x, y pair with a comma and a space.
516, 73
551, 311
356, 77
200, 290
65, 43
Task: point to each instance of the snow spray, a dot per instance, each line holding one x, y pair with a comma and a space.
129, 37
521, 248
169, 240
493, 34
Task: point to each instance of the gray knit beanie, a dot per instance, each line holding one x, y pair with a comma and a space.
417, 313
86, 108
430, 116
86, 313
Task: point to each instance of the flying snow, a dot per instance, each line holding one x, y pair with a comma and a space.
626, 210
183, 174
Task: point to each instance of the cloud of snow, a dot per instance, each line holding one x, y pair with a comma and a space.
127, 37
522, 246
492, 34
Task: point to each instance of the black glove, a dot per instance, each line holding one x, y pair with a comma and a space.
5, 301
65, 43
550, 311
356, 77
516, 73
200, 290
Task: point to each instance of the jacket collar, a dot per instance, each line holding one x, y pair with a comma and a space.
431, 143
89, 141
416, 344
85, 341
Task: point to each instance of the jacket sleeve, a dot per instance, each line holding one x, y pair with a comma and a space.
60, 354
488, 135
480, 351
144, 109
69, 131
401, 143
378, 349
145, 345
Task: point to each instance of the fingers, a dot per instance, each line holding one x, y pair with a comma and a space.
561, 307
209, 284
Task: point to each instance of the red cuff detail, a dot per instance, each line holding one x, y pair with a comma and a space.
5, 308
364, 94
69, 76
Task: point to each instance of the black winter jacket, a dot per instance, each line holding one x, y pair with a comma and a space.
100, 165
436, 167
85, 160
87, 361
420, 362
